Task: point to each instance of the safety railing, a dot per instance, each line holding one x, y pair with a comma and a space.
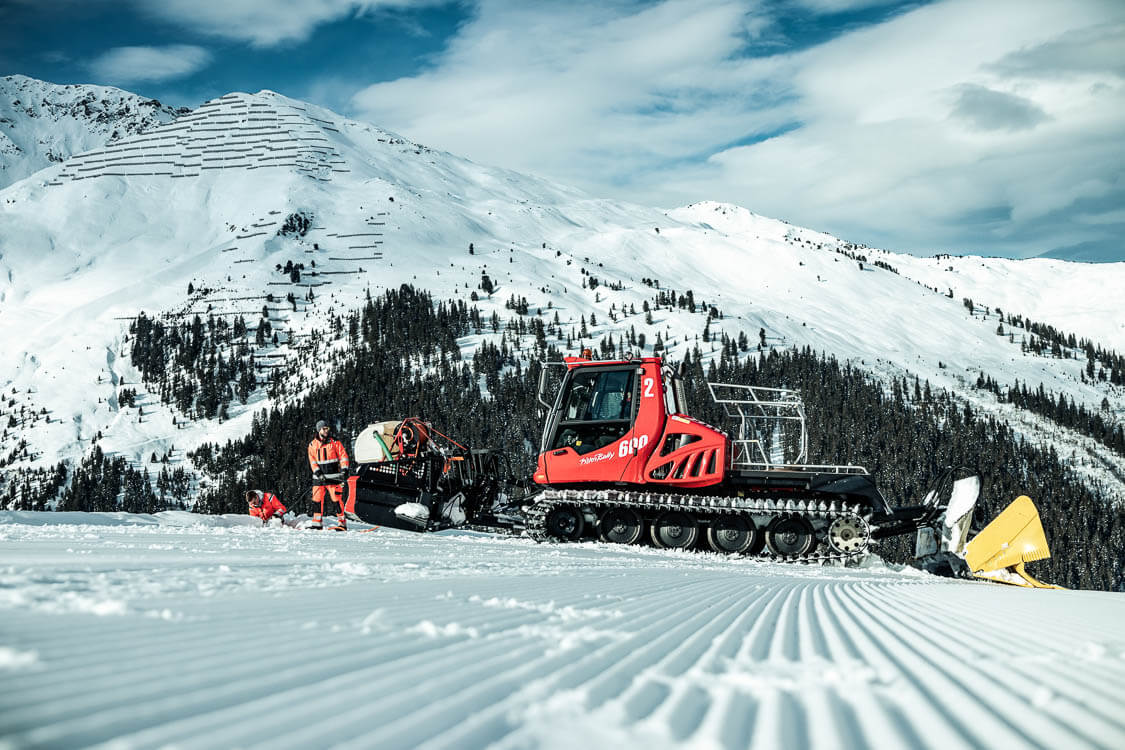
770, 421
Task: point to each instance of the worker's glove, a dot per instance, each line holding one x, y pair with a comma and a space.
319, 474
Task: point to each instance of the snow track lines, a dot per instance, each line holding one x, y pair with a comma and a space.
239, 636
219, 132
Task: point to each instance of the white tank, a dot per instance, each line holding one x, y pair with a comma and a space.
374, 443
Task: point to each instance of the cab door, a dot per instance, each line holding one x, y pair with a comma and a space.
587, 437
649, 416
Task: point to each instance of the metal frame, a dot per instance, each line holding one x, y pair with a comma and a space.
761, 411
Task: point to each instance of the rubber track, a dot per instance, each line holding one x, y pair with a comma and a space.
810, 509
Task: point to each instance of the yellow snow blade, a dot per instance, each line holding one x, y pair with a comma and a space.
1014, 537
1016, 575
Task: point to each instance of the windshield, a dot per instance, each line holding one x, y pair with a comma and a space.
599, 396
597, 409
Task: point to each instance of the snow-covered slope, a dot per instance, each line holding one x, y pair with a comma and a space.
43, 123
1075, 297
202, 631
1070, 296
89, 243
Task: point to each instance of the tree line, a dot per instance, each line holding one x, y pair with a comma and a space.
1061, 410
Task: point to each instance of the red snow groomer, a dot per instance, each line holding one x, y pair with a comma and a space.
621, 461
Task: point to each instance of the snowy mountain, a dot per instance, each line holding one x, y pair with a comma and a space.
43, 123
258, 201
1090, 252
211, 631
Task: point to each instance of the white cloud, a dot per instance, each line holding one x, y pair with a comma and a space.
123, 65
996, 110
956, 125
840, 6
580, 89
264, 23
1087, 50
1108, 217
899, 156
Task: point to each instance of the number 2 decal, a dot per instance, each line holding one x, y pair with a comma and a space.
649, 383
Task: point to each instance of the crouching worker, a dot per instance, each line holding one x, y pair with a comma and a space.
329, 463
265, 505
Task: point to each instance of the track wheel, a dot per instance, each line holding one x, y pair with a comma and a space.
565, 523
674, 530
790, 537
732, 534
620, 526
849, 534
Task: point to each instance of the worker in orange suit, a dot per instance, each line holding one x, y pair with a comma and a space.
329, 463
265, 505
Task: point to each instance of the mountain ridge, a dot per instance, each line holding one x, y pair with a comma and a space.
43, 123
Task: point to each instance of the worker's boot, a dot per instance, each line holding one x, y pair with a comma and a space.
341, 523
317, 522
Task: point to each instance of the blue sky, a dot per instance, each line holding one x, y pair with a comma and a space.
945, 126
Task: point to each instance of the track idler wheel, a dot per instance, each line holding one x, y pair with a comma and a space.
565, 523
620, 526
674, 530
849, 534
790, 537
732, 535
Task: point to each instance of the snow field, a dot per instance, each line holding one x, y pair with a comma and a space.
174, 629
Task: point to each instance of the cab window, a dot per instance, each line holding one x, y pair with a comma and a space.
597, 409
